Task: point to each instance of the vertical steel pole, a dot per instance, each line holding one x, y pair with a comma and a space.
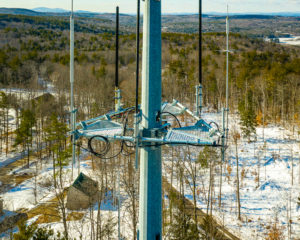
72, 122
117, 89
227, 72
119, 210
200, 42
222, 154
137, 56
150, 210
136, 115
199, 88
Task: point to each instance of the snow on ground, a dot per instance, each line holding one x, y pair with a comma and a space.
10, 158
295, 40
22, 197
274, 196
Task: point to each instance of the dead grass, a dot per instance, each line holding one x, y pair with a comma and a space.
7, 179
75, 216
20, 179
48, 212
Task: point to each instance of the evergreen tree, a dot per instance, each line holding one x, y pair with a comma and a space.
3, 106
247, 115
24, 132
210, 231
33, 232
43, 234
182, 227
25, 232
56, 134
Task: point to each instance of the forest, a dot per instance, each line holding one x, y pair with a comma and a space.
34, 54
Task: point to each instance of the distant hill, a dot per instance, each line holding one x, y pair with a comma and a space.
82, 11
281, 14
47, 10
19, 11
258, 25
58, 10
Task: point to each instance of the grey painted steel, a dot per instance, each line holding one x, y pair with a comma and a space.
117, 89
150, 209
227, 72
117, 50
72, 110
200, 42
199, 87
119, 210
188, 111
137, 77
199, 101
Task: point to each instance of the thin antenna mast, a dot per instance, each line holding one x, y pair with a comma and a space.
117, 49
73, 116
117, 89
227, 71
119, 213
136, 116
225, 110
137, 56
200, 42
199, 87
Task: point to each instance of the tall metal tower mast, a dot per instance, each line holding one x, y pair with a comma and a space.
150, 207
72, 110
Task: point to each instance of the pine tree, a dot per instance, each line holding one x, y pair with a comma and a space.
25, 232
24, 132
247, 115
33, 232
56, 135
43, 234
3, 106
210, 231
182, 227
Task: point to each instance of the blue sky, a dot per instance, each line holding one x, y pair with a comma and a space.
168, 6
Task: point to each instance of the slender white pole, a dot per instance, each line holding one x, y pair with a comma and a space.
72, 122
119, 213
199, 97
227, 71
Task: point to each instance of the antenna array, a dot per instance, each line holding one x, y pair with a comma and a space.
152, 128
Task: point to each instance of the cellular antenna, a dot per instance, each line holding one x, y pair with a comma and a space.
153, 132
